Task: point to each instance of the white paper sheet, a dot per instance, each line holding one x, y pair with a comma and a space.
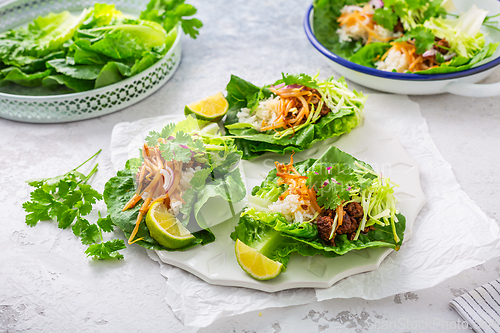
426, 260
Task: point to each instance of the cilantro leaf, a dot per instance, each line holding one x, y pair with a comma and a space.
170, 12
191, 27
178, 148
106, 250
91, 234
106, 224
332, 184
302, 79
386, 17
38, 212
423, 38
80, 225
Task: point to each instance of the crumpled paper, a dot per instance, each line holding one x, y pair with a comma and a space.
471, 237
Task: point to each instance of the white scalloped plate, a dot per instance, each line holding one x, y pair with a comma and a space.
216, 263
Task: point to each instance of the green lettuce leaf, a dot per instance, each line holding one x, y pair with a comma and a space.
43, 36
57, 81
369, 54
325, 25
218, 178
15, 75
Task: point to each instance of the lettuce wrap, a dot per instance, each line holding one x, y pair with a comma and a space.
291, 114
405, 36
197, 165
328, 206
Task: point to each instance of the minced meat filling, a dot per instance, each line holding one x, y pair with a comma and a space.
353, 214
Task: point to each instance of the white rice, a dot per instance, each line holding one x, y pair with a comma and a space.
266, 112
394, 60
291, 208
186, 176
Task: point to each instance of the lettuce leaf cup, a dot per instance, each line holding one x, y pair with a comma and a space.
291, 114
157, 199
328, 206
404, 36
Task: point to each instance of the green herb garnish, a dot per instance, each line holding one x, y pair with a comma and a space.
67, 199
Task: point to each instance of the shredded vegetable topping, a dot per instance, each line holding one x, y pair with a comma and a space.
296, 185
416, 62
157, 180
362, 19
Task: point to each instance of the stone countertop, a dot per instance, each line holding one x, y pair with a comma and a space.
46, 282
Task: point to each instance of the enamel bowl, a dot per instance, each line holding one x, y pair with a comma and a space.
33, 106
459, 83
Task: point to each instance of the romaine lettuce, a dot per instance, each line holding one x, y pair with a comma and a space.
99, 47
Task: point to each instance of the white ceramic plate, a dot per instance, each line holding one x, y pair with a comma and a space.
216, 263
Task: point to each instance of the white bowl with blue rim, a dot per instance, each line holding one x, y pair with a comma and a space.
460, 83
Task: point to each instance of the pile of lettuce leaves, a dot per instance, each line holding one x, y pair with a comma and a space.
276, 238
253, 143
422, 21
219, 177
98, 47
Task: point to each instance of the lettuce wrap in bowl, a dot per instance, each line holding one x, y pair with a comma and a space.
291, 114
409, 46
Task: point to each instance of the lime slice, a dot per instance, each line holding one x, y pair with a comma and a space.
256, 264
166, 229
212, 108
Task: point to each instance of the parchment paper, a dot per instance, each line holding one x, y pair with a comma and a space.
450, 234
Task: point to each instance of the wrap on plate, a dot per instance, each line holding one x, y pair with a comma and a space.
291, 114
182, 167
328, 206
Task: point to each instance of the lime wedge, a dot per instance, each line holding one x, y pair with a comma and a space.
211, 108
256, 264
166, 229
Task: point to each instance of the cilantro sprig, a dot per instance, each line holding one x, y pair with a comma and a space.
177, 145
410, 12
170, 12
68, 199
334, 183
